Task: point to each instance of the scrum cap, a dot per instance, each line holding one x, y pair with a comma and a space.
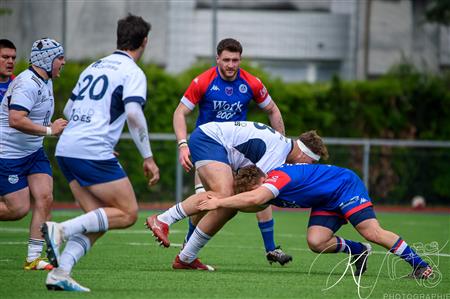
43, 52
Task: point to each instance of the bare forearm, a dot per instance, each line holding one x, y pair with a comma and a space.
25, 125
276, 122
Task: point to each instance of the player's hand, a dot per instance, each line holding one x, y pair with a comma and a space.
208, 203
58, 126
151, 171
184, 159
116, 153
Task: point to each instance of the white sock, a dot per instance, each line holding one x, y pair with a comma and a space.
35, 247
172, 215
199, 188
92, 222
196, 242
76, 247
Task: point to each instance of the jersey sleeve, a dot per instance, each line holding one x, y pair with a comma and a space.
197, 88
276, 180
23, 96
260, 93
135, 88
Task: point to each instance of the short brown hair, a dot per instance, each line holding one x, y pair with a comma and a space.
229, 44
315, 143
246, 178
131, 32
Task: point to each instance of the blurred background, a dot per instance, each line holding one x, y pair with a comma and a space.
372, 76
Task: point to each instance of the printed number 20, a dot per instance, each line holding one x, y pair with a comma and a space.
92, 86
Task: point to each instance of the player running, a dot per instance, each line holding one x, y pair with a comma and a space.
109, 91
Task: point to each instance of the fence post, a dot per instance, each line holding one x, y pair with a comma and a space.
178, 179
366, 157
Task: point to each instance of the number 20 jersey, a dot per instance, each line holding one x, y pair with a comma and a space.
98, 115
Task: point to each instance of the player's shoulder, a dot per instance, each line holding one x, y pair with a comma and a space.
206, 77
251, 79
28, 80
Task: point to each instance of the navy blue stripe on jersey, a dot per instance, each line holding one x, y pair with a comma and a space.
117, 106
139, 100
253, 149
122, 53
37, 75
18, 108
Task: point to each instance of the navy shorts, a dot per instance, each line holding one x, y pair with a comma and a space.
14, 172
90, 172
336, 218
204, 148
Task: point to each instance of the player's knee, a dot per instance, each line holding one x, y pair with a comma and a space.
131, 217
316, 244
44, 202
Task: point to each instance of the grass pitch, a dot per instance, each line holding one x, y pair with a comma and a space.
129, 264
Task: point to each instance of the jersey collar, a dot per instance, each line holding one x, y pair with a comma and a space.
37, 74
120, 52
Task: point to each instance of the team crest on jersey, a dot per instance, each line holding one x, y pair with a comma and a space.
243, 88
13, 179
229, 91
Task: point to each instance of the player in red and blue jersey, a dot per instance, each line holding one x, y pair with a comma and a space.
335, 195
223, 93
7, 62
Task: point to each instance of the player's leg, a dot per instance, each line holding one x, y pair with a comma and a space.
41, 188
321, 238
194, 219
218, 177
266, 224
15, 205
371, 230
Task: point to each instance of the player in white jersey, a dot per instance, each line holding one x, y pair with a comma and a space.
108, 92
216, 150
25, 118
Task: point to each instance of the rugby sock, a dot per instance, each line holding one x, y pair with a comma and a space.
199, 188
349, 246
77, 247
197, 241
34, 249
405, 252
172, 215
91, 222
266, 229
190, 231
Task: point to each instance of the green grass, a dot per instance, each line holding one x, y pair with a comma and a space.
129, 264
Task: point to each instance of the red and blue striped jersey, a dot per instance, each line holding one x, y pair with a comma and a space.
220, 100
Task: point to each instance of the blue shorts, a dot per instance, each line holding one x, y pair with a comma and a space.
334, 219
90, 172
14, 172
204, 148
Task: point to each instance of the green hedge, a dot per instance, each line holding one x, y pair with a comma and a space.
403, 104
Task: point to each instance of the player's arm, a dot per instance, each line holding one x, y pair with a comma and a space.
275, 118
180, 129
256, 197
67, 108
19, 120
137, 125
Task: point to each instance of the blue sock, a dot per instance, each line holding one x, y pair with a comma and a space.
190, 231
349, 246
405, 252
266, 229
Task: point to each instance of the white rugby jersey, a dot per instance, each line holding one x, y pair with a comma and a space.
28, 92
97, 115
249, 143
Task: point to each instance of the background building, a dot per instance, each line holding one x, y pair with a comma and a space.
308, 40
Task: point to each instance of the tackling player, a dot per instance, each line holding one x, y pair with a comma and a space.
336, 195
217, 150
25, 118
7, 62
109, 92
223, 93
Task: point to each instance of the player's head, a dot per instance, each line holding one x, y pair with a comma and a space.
248, 178
308, 148
7, 59
48, 54
228, 58
132, 32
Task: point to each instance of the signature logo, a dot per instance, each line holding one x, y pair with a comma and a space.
391, 264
